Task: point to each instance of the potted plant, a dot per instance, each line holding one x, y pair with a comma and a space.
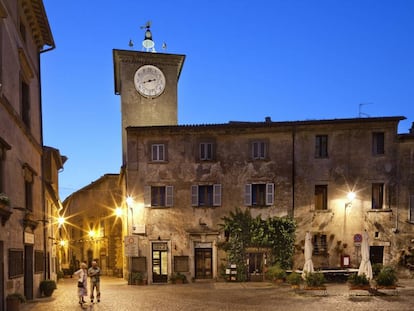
358, 282
178, 278
294, 279
138, 278
4, 199
276, 273
60, 275
47, 287
314, 280
14, 300
387, 278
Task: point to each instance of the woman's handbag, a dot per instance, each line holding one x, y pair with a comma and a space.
80, 284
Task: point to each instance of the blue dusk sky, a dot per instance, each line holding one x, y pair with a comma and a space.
291, 60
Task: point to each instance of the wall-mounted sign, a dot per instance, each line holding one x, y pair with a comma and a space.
131, 246
202, 244
357, 239
159, 246
28, 238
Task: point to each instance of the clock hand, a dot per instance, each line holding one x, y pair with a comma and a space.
150, 80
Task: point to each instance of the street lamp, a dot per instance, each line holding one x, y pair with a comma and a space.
351, 197
118, 212
91, 234
60, 221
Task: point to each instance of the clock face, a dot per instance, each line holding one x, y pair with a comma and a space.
149, 81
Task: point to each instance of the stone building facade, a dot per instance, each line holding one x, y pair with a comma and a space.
55, 256
26, 256
301, 169
335, 178
93, 230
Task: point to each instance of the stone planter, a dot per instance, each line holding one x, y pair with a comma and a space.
359, 287
141, 282
13, 304
314, 288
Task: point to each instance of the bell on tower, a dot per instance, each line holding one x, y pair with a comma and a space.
148, 44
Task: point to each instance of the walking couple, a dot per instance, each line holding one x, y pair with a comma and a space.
94, 272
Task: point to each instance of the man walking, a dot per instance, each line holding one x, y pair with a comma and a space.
95, 272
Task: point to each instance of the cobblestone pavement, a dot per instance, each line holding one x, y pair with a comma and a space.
117, 295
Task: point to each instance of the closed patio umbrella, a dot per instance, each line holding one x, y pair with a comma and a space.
365, 266
308, 266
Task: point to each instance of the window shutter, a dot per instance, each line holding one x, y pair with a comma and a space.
263, 150
248, 194
194, 195
169, 195
217, 195
411, 211
270, 194
147, 196
154, 154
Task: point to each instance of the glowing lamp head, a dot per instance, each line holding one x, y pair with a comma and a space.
118, 212
129, 201
60, 221
351, 196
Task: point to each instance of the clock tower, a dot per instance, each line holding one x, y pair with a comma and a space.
147, 82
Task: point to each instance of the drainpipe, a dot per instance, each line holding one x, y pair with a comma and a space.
46, 273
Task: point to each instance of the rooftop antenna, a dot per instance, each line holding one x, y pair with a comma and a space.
148, 44
362, 114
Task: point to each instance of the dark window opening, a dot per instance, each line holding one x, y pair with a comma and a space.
321, 146
378, 143
321, 197
377, 195
320, 245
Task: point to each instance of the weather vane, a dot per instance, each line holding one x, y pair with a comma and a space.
147, 44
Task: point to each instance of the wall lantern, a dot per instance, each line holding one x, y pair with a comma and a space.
351, 197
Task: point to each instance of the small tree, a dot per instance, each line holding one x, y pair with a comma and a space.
274, 233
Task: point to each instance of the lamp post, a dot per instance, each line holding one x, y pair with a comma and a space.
348, 204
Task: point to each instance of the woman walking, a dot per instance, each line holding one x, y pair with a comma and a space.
82, 283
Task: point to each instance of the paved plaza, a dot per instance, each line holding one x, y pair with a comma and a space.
118, 295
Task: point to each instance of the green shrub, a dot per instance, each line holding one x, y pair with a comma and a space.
47, 287
358, 280
294, 278
17, 296
137, 276
387, 276
376, 269
314, 279
60, 275
177, 276
275, 273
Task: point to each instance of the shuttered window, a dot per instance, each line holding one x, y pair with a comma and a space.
159, 196
411, 207
206, 195
259, 194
